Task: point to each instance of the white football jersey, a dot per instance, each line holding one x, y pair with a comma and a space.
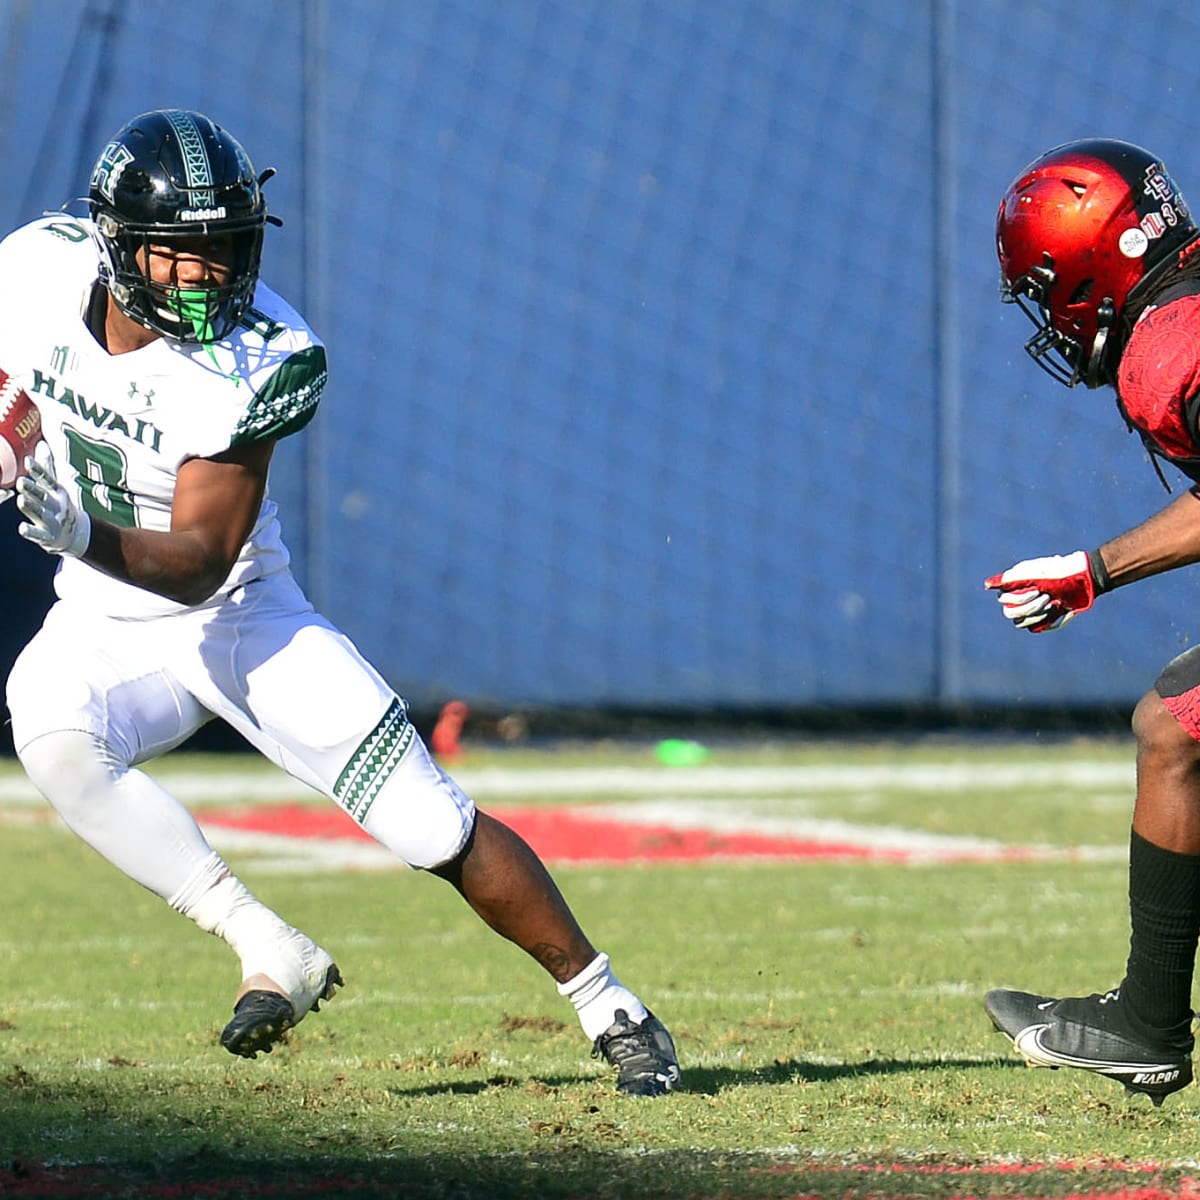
120, 426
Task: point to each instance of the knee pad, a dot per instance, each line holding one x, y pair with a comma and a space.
419, 812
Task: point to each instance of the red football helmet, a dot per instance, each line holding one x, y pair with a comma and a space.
1082, 231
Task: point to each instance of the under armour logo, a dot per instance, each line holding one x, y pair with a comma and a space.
135, 391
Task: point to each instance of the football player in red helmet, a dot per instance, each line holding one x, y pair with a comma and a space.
1098, 247
1085, 234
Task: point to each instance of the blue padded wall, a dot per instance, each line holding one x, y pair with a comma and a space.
609, 262
667, 361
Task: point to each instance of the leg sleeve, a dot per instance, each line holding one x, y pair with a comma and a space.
89, 698
122, 814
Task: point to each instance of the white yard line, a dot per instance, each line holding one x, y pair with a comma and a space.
514, 783
706, 780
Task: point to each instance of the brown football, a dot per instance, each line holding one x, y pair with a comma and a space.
20, 429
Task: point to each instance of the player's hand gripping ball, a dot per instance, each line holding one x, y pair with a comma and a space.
20, 429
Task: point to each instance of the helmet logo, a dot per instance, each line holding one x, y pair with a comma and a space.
1133, 243
1157, 185
107, 172
203, 214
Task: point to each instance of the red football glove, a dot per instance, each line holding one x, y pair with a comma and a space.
1041, 594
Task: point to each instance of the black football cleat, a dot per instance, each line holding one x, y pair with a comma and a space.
261, 1018
1092, 1033
644, 1055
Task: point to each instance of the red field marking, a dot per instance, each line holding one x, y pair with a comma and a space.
24, 1178
564, 834
561, 835
1041, 1176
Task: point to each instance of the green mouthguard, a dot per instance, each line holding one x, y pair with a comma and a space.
193, 307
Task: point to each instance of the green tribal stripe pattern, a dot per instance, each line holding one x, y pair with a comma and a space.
372, 763
195, 156
288, 400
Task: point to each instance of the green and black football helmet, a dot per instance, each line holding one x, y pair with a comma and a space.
167, 176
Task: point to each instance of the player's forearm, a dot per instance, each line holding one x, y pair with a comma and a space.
1167, 540
176, 565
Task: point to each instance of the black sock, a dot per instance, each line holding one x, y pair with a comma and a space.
1164, 915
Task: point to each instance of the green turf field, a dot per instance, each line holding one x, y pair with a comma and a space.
828, 1014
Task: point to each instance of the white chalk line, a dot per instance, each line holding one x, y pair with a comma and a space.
516, 782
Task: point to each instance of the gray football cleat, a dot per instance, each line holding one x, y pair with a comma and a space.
644, 1055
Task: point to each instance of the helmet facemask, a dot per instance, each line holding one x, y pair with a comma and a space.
1061, 356
193, 314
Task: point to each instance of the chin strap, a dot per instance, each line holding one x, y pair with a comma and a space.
1106, 316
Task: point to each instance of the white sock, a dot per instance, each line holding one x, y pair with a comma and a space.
265, 943
597, 994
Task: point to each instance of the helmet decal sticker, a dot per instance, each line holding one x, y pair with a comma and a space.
1133, 243
1158, 186
199, 175
1153, 226
107, 172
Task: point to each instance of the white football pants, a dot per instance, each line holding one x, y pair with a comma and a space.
264, 661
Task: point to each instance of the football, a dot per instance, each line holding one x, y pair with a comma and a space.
20, 429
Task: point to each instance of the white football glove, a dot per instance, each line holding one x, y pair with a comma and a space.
53, 521
1041, 594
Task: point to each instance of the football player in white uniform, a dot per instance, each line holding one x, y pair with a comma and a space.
165, 372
